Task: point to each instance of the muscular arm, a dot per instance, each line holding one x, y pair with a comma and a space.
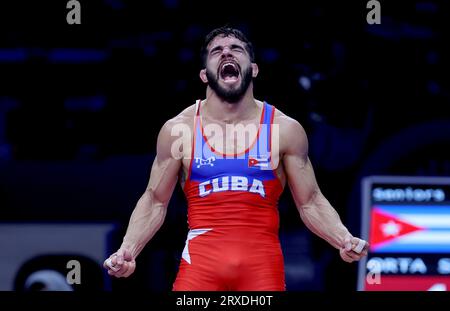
314, 209
150, 210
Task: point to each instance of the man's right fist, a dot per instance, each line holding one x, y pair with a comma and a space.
120, 264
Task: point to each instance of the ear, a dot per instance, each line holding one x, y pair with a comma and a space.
203, 76
255, 70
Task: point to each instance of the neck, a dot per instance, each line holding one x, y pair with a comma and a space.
219, 109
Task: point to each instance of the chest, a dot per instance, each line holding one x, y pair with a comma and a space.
232, 138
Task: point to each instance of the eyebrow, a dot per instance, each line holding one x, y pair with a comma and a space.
237, 46
220, 47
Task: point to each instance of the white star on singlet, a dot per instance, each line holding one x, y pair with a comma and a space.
192, 234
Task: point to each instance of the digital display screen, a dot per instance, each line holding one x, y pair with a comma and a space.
406, 220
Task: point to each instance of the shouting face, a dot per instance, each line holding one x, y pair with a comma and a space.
229, 70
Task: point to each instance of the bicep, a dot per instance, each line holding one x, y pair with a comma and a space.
298, 168
163, 178
301, 179
165, 169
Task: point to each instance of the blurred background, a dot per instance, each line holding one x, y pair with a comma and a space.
81, 107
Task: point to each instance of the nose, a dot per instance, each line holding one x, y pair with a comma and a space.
226, 52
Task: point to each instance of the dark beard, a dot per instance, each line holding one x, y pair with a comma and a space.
230, 95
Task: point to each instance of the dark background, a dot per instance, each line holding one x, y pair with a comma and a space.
81, 107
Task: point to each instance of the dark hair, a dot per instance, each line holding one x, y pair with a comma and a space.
226, 31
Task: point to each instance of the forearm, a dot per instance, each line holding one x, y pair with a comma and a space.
322, 219
145, 221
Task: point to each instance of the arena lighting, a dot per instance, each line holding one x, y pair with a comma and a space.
77, 56
16, 55
58, 55
305, 82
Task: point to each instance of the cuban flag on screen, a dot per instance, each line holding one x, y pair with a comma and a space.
410, 229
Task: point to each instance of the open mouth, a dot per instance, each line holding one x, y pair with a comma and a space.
229, 72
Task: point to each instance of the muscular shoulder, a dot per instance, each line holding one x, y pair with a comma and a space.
177, 130
292, 135
183, 119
